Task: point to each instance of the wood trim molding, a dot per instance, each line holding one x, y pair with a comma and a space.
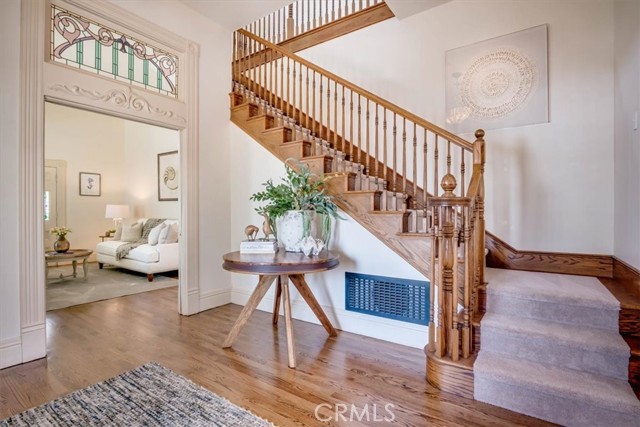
622, 270
102, 95
503, 255
340, 27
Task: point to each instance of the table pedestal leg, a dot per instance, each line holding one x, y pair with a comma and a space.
85, 268
276, 303
257, 295
75, 267
291, 348
301, 284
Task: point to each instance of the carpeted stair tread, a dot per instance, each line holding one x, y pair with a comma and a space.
599, 391
583, 337
550, 287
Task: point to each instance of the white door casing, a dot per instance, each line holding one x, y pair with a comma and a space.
55, 183
43, 80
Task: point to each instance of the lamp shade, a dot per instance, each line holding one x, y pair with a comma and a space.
117, 211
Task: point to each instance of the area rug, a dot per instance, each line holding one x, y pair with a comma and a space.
102, 284
150, 395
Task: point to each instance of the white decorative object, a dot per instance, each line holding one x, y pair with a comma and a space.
319, 246
498, 83
291, 229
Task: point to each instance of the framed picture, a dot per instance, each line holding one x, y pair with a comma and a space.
498, 83
168, 176
89, 184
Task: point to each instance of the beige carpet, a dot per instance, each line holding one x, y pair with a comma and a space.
107, 283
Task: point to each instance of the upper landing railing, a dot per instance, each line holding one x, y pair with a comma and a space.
302, 16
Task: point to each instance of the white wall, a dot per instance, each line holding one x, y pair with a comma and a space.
215, 83
143, 142
627, 139
549, 186
359, 250
10, 348
88, 142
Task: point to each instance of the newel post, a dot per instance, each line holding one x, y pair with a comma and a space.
479, 159
290, 24
448, 266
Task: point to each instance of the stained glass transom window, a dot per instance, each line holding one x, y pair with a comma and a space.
87, 45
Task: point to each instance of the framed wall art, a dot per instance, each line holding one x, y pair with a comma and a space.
90, 184
498, 83
168, 176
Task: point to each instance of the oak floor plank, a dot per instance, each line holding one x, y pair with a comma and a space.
93, 342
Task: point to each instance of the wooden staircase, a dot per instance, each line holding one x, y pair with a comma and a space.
386, 165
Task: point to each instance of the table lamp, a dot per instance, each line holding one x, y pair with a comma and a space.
117, 213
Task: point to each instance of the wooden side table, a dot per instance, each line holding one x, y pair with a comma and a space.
73, 255
283, 266
105, 237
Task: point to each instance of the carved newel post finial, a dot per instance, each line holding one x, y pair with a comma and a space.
479, 134
448, 184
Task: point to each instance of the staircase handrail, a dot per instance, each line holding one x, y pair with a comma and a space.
357, 89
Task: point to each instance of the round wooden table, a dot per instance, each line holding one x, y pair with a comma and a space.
72, 255
283, 266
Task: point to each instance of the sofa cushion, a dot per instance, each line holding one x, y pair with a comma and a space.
144, 253
154, 234
169, 234
109, 247
131, 232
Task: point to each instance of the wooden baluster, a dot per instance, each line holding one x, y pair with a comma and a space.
448, 157
395, 150
328, 137
288, 98
462, 186
425, 156
335, 120
284, 23
233, 62
351, 140
375, 157
367, 147
468, 273
308, 16
271, 77
326, 11
435, 168
279, 36
359, 141
281, 107
306, 99
259, 70
313, 15
432, 286
385, 169
299, 22
353, 6
454, 337
404, 158
441, 328
339, 9
293, 99
344, 135
313, 115
415, 176
333, 10
300, 100
252, 70
361, 5
290, 25
320, 132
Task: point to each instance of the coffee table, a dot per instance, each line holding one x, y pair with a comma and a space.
283, 266
72, 255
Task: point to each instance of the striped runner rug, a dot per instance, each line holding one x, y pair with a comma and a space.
150, 395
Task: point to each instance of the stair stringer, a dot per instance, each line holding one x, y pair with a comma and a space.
416, 251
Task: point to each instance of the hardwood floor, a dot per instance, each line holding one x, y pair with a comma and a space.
93, 342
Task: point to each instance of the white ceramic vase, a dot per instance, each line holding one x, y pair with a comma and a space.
291, 229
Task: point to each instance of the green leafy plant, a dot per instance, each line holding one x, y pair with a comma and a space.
299, 190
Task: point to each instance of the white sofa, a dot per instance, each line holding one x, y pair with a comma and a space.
143, 259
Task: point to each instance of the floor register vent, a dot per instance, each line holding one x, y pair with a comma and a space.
399, 299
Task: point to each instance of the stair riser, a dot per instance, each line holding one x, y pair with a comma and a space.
259, 124
543, 310
557, 408
297, 150
608, 362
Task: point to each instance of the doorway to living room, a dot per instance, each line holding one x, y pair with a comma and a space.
116, 201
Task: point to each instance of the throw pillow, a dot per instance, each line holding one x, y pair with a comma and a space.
118, 234
169, 234
154, 234
172, 235
131, 232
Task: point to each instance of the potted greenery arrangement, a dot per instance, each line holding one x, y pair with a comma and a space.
290, 206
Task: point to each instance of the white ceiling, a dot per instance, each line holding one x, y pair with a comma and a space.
404, 8
234, 14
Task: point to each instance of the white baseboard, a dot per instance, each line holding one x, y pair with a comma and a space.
409, 334
215, 298
34, 342
10, 352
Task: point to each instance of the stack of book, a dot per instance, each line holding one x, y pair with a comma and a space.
258, 247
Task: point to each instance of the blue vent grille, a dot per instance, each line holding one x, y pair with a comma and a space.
399, 299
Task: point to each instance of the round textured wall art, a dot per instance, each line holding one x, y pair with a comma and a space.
497, 84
